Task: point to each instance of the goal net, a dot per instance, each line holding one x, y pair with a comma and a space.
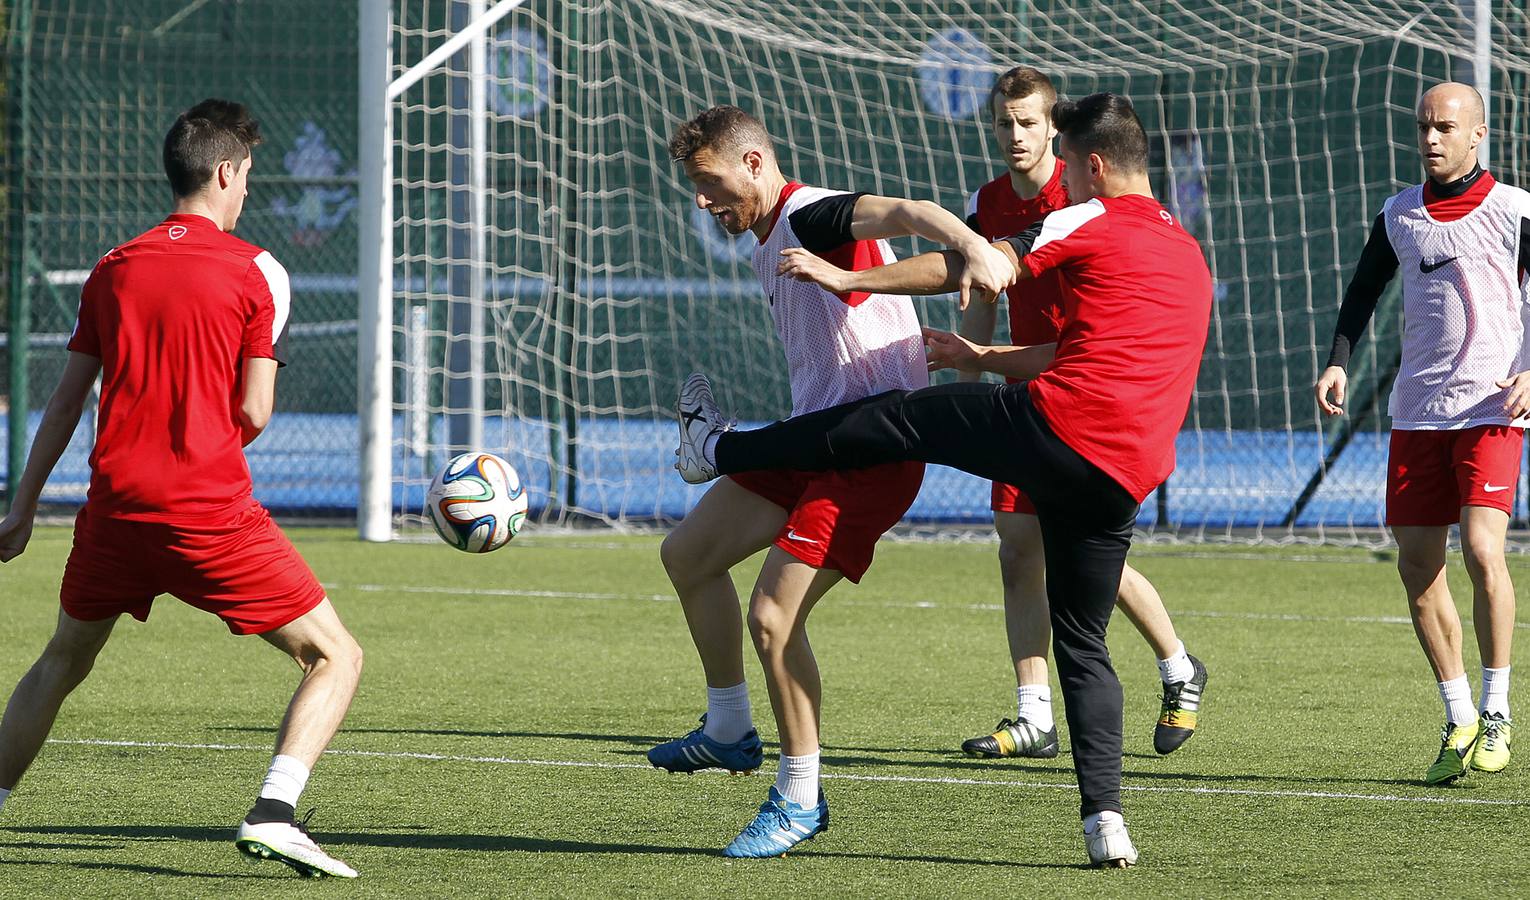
552, 282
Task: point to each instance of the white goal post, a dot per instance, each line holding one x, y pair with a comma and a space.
535, 282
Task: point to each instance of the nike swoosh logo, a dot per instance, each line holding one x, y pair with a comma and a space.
794, 536
1426, 268
1492, 488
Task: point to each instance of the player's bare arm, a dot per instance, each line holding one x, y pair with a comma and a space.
876, 217
937, 272
258, 398
978, 323
58, 423
945, 350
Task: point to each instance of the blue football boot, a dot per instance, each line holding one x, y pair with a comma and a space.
696, 751
780, 826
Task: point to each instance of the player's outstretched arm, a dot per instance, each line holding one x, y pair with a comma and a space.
258, 397
937, 272
58, 424
987, 271
944, 350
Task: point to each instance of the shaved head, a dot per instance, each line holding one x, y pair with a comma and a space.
1450, 127
1462, 99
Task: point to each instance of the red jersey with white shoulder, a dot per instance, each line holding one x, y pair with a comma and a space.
996, 212
1136, 306
839, 347
172, 314
1464, 304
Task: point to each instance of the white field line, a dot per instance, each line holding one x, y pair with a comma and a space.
883, 779
885, 604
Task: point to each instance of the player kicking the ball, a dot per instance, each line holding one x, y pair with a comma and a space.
1031, 187
184, 325
820, 526
1087, 438
1460, 242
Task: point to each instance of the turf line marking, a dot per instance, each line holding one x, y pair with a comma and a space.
885, 604
885, 779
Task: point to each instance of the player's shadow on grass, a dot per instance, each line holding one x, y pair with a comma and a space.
1244, 777
640, 739
482, 843
136, 868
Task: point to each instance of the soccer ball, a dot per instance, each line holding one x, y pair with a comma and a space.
477, 503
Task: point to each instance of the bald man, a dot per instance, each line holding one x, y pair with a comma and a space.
1461, 242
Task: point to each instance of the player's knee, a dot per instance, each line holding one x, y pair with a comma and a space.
680, 556
337, 654
1417, 574
769, 624
1484, 561
67, 664
1020, 563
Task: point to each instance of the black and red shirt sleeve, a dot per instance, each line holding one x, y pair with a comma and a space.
823, 226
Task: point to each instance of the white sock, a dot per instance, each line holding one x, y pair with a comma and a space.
709, 449
4, 794
1495, 691
1177, 668
1035, 703
285, 780
1457, 694
797, 779
728, 718
1093, 821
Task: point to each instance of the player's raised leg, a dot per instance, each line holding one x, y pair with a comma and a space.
795, 809
728, 525
331, 661
1483, 530
29, 715
1032, 732
1183, 676
1421, 564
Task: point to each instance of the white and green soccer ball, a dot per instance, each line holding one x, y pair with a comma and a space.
477, 502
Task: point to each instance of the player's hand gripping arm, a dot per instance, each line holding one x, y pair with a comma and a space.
258, 397
58, 423
938, 272
986, 272
1378, 263
944, 350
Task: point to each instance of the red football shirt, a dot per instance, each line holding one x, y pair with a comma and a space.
1136, 306
172, 314
995, 211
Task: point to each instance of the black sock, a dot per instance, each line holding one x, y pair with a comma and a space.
268, 810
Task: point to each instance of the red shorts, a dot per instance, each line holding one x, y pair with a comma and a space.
241, 569
834, 518
1007, 498
1010, 499
1432, 474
